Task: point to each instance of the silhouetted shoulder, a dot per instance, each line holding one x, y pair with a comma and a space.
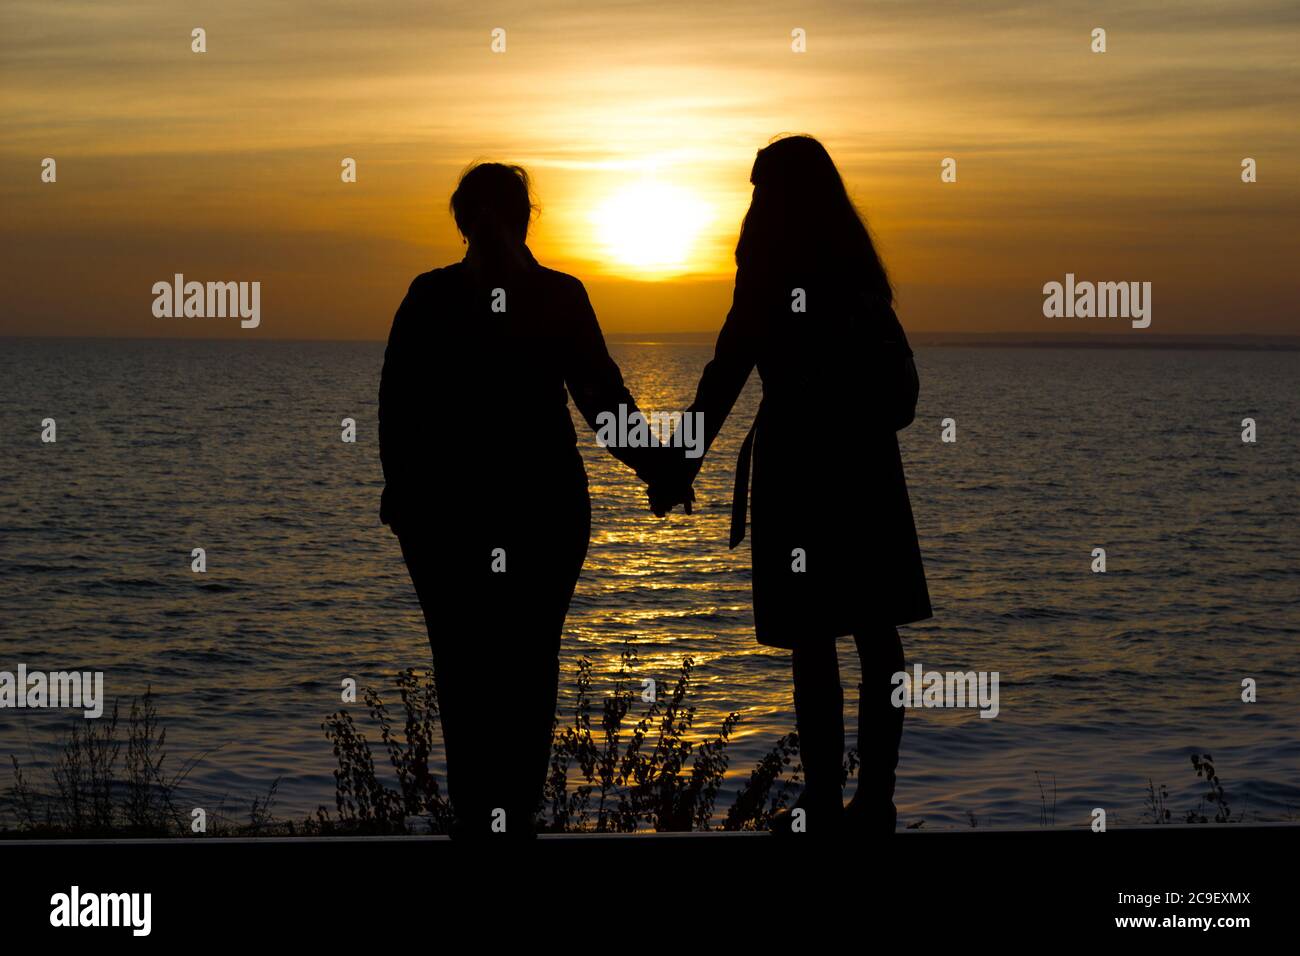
561, 283
434, 278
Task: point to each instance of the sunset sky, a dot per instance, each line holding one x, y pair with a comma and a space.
639, 123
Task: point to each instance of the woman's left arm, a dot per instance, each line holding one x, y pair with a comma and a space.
596, 385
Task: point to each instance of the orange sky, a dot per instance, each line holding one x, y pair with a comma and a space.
225, 165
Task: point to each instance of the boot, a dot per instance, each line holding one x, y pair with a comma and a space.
867, 817
880, 731
822, 817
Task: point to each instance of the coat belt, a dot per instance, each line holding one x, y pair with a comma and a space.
740, 494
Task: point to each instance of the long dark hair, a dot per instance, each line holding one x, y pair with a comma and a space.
801, 217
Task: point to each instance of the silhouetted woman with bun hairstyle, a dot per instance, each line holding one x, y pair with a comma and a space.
486, 491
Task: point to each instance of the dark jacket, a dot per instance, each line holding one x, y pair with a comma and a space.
828, 492
474, 422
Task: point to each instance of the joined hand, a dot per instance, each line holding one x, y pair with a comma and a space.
663, 498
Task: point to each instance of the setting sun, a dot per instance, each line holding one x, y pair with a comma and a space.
651, 227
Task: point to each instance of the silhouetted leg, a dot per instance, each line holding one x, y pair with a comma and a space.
819, 718
519, 657
458, 677
880, 730
493, 673
528, 606
558, 566
531, 750
466, 731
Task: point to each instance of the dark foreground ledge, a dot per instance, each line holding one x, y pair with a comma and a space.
345, 890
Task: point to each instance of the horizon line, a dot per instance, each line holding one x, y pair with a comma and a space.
1243, 341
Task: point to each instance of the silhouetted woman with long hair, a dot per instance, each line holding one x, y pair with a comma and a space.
486, 491
834, 546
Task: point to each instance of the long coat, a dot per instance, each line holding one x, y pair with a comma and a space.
834, 545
